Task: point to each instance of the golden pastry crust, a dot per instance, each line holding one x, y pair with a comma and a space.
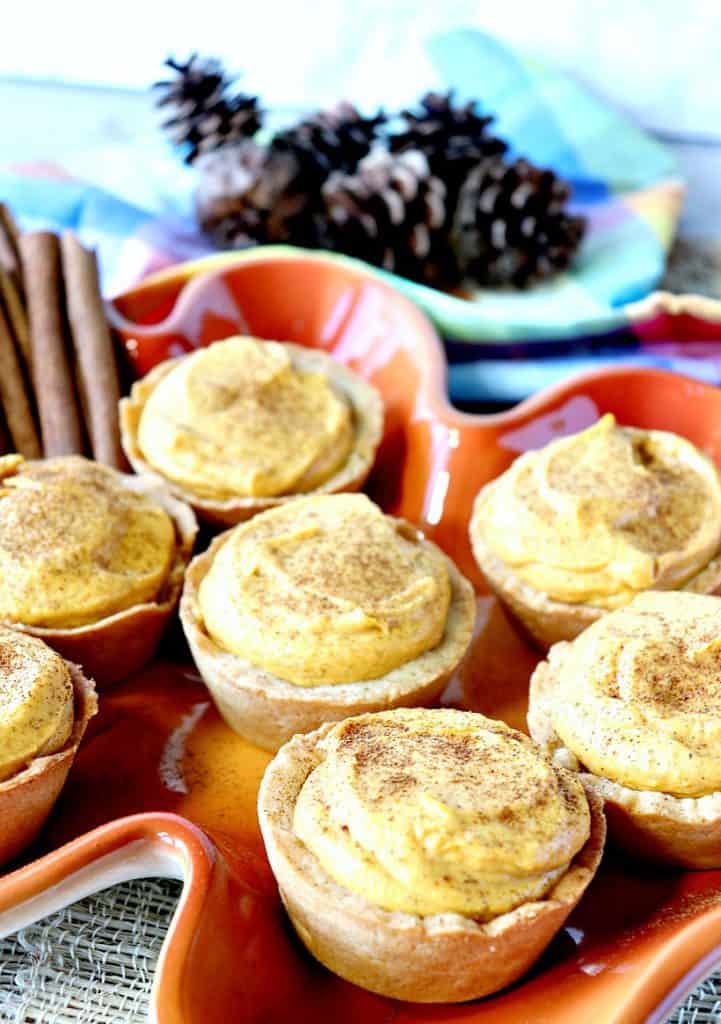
268, 710
27, 797
367, 409
116, 646
546, 620
438, 958
685, 831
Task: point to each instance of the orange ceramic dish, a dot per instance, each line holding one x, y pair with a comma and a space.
638, 941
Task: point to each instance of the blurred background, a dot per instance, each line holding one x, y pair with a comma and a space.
74, 76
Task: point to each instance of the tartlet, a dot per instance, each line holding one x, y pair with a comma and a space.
579, 527
363, 614
29, 788
633, 704
439, 956
70, 572
211, 410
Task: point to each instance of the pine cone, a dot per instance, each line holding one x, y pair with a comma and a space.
440, 204
204, 116
391, 212
454, 138
274, 194
329, 140
510, 225
234, 195
243, 198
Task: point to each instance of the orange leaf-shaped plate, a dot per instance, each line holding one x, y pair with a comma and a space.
162, 787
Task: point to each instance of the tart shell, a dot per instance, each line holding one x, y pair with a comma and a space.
27, 797
683, 831
367, 409
546, 620
268, 710
116, 646
439, 958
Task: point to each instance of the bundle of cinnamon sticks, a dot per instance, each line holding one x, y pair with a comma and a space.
59, 370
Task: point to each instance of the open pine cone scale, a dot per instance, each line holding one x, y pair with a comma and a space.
510, 224
391, 211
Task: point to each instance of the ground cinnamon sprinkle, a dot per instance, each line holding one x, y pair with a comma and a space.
639, 694
474, 817
77, 544
325, 590
603, 514
36, 701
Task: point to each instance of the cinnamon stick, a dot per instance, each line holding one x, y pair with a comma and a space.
60, 422
12, 291
5, 445
9, 242
10, 295
15, 398
94, 351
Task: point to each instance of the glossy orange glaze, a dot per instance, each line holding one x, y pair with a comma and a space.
158, 744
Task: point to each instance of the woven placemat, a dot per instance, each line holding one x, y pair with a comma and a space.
93, 962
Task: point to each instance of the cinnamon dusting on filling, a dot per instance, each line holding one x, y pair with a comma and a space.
440, 811
238, 419
326, 590
36, 701
599, 516
76, 544
639, 694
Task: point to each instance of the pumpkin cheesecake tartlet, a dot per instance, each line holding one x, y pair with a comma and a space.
45, 706
427, 855
581, 526
91, 560
319, 609
245, 425
634, 703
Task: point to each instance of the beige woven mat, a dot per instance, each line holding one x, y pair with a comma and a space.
93, 963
